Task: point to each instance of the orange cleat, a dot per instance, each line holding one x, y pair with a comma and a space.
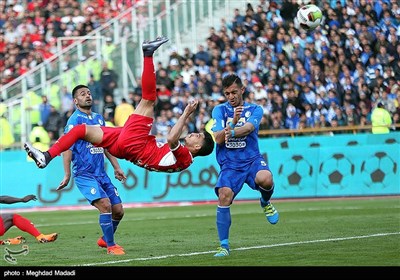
14, 241
101, 242
115, 250
44, 238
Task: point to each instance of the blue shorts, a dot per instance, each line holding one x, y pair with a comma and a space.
234, 178
96, 187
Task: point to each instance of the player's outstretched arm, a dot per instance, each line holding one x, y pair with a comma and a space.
175, 134
67, 159
5, 199
29, 197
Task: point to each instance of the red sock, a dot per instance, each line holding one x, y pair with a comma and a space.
148, 80
67, 140
25, 225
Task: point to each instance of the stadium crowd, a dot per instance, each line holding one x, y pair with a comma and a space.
333, 76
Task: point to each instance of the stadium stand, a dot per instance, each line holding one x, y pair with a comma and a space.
304, 81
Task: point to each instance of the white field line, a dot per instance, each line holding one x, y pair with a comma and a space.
244, 248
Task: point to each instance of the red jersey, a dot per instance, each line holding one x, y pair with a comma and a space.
133, 143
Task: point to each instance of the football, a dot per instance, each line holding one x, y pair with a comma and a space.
309, 17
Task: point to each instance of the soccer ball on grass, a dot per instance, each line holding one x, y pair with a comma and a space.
309, 17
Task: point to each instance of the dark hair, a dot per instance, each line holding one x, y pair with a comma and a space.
74, 91
231, 79
208, 145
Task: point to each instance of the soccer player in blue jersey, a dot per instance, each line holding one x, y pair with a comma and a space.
89, 172
235, 130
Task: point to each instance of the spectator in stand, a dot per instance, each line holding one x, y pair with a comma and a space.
163, 78
108, 80
396, 122
97, 94
66, 100
109, 108
53, 124
39, 137
381, 119
202, 55
292, 120
6, 136
122, 112
44, 109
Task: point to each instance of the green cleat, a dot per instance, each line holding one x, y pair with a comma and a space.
271, 213
222, 252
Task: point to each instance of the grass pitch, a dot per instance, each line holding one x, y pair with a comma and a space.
345, 232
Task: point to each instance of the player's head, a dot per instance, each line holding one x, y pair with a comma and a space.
233, 89
200, 144
82, 97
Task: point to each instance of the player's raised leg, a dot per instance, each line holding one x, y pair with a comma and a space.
149, 95
94, 134
90, 133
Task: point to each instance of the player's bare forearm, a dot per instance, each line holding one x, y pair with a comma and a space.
5, 199
29, 197
175, 134
67, 158
244, 130
176, 131
219, 136
113, 160
238, 131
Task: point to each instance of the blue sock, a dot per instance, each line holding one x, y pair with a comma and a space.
107, 228
265, 196
223, 224
115, 224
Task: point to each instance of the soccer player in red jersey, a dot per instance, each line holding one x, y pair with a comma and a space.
7, 220
133, 142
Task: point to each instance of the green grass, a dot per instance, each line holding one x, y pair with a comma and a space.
342, 232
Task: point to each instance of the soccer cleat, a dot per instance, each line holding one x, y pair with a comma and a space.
222, 252
38, 156
14, 241
115, 250
44, 238
149, 47
271, 213
102, 243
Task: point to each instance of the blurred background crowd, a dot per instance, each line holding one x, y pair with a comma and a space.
333, 76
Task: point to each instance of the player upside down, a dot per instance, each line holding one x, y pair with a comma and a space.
132, 142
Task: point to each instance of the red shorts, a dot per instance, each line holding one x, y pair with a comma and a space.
128, 142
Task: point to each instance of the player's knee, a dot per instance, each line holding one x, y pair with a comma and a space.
225, 196
103, 205
118, 215
264, 179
